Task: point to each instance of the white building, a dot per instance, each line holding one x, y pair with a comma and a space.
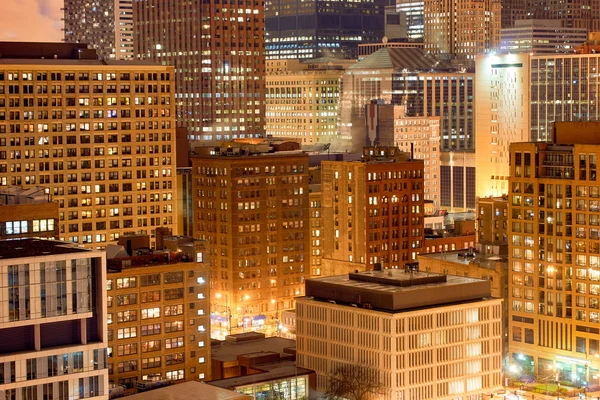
52, 321
426, 336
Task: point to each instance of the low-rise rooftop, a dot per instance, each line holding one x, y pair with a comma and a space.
29, 247
394, 290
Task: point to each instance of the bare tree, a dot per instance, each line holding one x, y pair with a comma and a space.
353, 382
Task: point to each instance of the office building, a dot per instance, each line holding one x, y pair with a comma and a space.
105, 26
218, 58
502, 117
374, 208
405, 332
304, 30
554, 253
98, 134
541, 36
409, 76
457, 181
158, 310
27, 213
519, 96
575, 14
461, 30
53, 321
413, 13
302, 99
254, 212
513, 11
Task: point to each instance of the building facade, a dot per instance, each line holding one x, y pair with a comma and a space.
105, 26
158, 313
302, 99
375, 209
99, 135
254, 212
554, 254
422, 83
411, 353
27, 213
305, 30
492, 225
53, 321
541, 36
461, 29
218, 58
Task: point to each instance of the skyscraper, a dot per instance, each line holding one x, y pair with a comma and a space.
461, 29
573, 14
105, 25
311, 29
218, 55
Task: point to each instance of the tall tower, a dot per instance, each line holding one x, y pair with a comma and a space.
106, 26
462, 29
218, 55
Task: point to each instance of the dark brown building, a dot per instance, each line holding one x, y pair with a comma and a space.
373, 210
218, 55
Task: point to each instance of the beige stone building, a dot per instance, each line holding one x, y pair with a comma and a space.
302, 99
27, 213
159, 311
99, 135
254, 212
462, 29
421, 335
554, 253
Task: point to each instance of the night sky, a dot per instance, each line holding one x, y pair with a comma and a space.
31, 20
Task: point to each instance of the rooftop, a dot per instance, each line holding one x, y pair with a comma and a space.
272, 371
28, 247
395, 290
457, 256
13, 195
192, 390
409, 58
250, 343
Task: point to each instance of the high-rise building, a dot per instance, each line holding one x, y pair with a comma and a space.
374, 208
519, 96
218, 56
158, 311
105, 25
574, 14
460, 30
413, 13
457, 181
427, 87
27, 213
512, 11
554, 253
303, 30
99, 135
405, 333
53, 321
541, 36
253, 208
302, 99
502, 117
